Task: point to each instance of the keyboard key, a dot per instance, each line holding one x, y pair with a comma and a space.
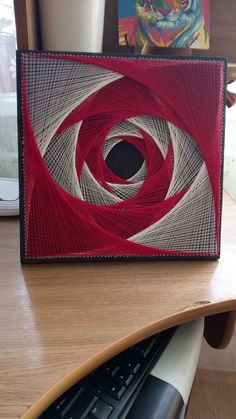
124, 377
101, 410
70, 403
110, 369
132, 365
143, 349
116, 390
81, 408
101, 382
56, 409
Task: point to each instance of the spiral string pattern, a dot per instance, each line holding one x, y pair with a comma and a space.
77, 111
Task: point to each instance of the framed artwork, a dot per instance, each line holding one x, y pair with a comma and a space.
120, 157
164, 23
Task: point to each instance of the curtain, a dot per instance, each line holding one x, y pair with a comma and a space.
8, 123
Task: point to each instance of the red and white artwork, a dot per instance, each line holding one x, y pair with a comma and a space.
121, 157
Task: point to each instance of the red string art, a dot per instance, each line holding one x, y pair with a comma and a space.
120, 157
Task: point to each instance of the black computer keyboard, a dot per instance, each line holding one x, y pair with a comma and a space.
110, 390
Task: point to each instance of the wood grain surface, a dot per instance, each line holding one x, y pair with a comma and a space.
213, 395
27, 24
214, 388
58, 320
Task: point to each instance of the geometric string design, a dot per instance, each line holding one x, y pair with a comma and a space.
118, 157
60, 160
93, 192
156, 128
187, 160
71, 83
190, 225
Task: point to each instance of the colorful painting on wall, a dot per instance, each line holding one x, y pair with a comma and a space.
117, 158
164, 23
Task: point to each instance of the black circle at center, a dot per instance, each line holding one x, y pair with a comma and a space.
124, 160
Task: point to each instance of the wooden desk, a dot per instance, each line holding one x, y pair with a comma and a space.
55, 319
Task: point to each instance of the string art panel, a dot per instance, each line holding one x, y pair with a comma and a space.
120, 157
